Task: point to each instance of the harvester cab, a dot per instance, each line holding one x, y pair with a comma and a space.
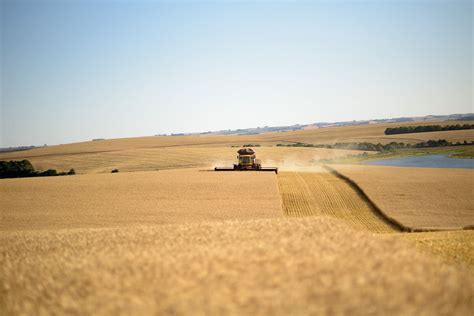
247, 161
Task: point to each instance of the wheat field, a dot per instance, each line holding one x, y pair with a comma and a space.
418, 198
254, 267
455, 247
163, 197
181, 241
317, 192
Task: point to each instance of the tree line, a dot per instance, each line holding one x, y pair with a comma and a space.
426, 128
366, 146
24, 168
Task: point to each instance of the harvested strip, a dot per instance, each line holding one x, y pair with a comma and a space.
296, 196
322, 193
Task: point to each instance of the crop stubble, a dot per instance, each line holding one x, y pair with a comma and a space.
321, 193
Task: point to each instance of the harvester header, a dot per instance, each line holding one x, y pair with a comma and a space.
247, 161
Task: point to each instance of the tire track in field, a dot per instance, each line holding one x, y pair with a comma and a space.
324, 194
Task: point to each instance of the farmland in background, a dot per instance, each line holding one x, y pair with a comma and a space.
181, 157
173, 152
318, 135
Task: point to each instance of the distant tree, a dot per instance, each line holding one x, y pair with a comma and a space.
48, 173
24, 168
16, 169
426, 128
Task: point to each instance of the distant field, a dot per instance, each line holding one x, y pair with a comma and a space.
271, 267
418, 198
173, 152
357, 133
122, 199
371, 133
181, 157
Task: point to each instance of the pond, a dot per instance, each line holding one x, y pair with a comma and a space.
430, 161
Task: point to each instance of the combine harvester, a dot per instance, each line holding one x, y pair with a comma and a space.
247, 161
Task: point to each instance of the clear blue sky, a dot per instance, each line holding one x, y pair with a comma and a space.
77, 70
